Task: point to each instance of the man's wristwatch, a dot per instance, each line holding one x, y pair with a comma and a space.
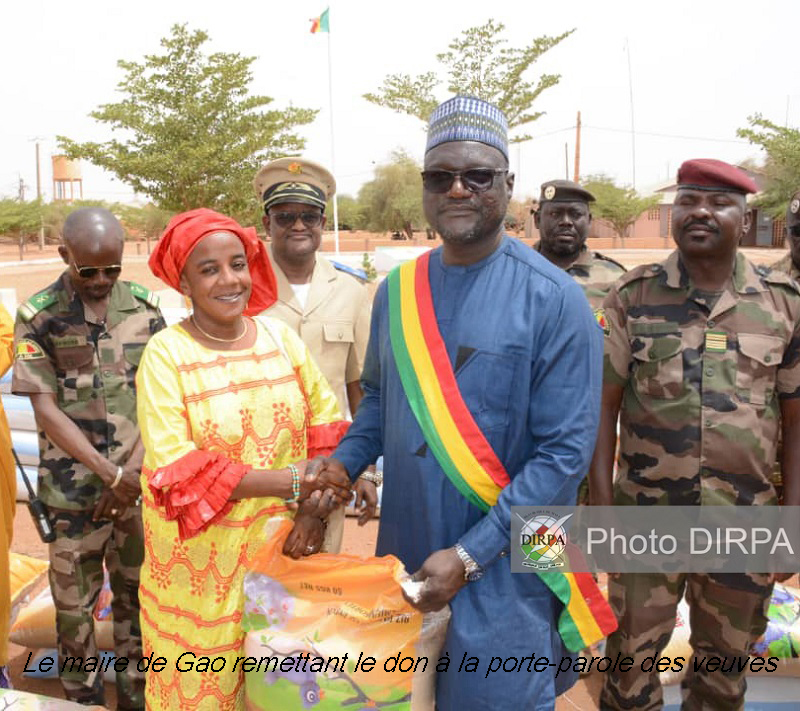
375, 477
472, 571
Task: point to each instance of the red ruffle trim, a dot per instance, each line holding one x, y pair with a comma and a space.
323, 439
195, 490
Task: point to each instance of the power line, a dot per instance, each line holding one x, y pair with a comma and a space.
668, 135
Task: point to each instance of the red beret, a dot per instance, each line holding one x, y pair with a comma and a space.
710, 174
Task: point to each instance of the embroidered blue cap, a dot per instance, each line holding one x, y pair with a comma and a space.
465, 118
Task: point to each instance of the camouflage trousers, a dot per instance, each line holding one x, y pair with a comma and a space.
76, 579
728, 612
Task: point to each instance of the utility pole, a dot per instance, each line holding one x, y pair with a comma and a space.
566, 161
576, 178
21, 190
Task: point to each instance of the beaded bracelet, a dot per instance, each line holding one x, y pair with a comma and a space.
295, 483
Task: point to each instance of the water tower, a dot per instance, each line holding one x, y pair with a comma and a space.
66, 174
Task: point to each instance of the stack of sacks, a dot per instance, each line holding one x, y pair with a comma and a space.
35, 628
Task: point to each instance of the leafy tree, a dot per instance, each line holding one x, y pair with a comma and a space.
19, 218
393, 199
351, 216
146, 221
477, 64
620, 207
191, 134
782, 165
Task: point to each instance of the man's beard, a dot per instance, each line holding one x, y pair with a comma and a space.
480, 230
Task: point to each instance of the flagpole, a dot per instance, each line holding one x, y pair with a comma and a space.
333, 152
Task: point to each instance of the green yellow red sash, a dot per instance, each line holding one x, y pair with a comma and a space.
459, 445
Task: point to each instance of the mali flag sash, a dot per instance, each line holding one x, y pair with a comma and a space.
459, 445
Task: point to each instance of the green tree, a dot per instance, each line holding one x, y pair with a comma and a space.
192, 135
18, 218
146, 221
392, 200
351, 216
477, 63
620, 207
782, 165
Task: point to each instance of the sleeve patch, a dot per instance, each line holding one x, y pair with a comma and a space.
28, 350
602, 321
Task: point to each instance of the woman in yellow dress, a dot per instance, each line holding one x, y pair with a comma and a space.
8, 489
230, 408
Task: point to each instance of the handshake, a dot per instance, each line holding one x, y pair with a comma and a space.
324, 485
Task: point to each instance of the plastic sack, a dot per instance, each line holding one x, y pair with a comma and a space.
35, 626
24, 701
333, 611
24, 573
781, 638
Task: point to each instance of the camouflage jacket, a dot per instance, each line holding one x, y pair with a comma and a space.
594, 272
91, 368
787, 266
700, 412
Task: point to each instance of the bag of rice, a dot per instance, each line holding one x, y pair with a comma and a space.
328, 631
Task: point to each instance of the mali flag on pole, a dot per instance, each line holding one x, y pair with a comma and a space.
320, 24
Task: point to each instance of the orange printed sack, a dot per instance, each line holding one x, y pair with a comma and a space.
328, 612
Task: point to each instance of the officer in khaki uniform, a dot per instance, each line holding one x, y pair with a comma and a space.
77, 349
702, 363
563, 219
326, 303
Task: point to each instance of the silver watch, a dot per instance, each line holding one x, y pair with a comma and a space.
472, 571
375, 477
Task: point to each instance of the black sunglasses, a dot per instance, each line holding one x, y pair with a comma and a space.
476, 180
794, 230
112, 270
287, 219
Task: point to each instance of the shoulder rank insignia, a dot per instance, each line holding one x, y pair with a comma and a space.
144, 294
602, 321
352, 271
28, 349
35, 304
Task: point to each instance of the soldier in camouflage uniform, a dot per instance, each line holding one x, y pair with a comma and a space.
702, 361
77, 350
790, 263
563, 220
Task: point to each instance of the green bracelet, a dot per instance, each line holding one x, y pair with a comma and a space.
295, 483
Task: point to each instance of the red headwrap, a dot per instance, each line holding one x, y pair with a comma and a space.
183, 233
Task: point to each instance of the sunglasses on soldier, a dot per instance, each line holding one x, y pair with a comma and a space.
287, 219
476, 180
112, 270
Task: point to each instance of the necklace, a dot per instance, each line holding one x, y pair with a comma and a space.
215, 338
